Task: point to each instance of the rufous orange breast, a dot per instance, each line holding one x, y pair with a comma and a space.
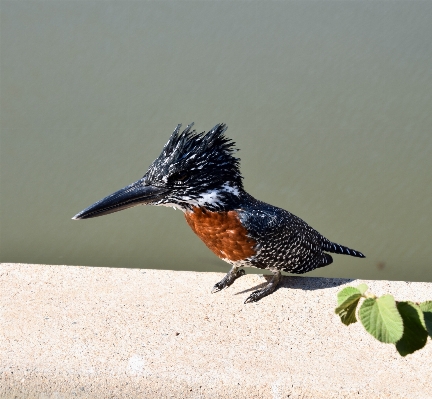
222, 232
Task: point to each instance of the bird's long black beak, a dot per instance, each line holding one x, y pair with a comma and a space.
137, 193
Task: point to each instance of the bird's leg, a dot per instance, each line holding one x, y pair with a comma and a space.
229, 278
267, 290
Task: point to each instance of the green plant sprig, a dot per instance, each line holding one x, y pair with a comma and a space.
405, 324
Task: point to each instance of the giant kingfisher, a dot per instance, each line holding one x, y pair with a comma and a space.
198, 174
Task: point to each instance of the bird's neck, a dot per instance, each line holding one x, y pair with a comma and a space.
219, 199
222, 199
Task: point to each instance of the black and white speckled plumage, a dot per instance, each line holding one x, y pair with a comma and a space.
284, 241
198, 168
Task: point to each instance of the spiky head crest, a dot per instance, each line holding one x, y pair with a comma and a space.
198, 168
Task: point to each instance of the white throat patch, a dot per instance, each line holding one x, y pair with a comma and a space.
208, 198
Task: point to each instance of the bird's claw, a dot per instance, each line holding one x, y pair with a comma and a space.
267, 290
227, 280
255, 296
216, 288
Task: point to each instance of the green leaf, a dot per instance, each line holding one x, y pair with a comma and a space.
415, 335
348, 300
426, 308
347, 314
347, 292
381, 319
362, 288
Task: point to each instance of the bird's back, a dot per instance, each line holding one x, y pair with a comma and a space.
284, 241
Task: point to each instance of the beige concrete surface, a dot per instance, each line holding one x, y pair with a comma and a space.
83, 332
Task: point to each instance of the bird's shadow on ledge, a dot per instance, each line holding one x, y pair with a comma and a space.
301, 283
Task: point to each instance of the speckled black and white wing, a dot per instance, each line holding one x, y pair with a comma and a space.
284, 241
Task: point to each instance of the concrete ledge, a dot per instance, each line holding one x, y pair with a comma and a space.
86, 332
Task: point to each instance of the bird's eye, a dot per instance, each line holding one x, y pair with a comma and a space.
179, 177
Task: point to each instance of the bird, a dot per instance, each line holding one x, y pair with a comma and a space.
199, 174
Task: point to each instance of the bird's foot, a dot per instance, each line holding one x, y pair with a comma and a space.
267, 290
229, 278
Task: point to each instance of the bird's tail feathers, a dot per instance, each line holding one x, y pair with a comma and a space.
340, 249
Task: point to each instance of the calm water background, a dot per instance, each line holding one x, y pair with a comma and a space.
329, 102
